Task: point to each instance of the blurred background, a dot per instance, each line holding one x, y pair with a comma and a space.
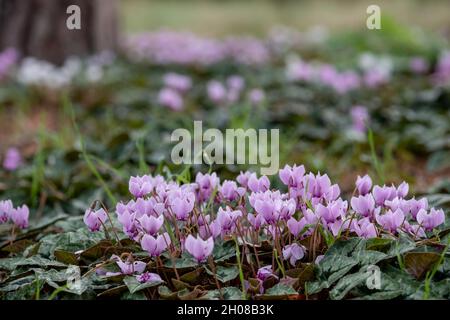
257, 17
83, 110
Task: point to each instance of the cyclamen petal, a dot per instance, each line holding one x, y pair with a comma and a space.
140, 186
293, 253
148, 277
364, 184
155, 246
430, 220
150, 224
94, 219
200, 249
20, 216
6, 207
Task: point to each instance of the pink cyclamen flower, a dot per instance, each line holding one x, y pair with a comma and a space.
200, 249
258, 185
182, 206
360, 117
293, 253
267, 209
216, 91
402, 190
418, 65
364, 184
128, 267
391, 220
243, 177
128, 221
230, 191
333, 211
6, 207
292, 176
177, 82
148, 277
364, 205
235, 82
432, 219
171, 99
265, 273
19, 216
256, 220
151, 224
140, 186
256, 96
155, 246
13, 159
381, 194
364, 228
413, 206
227, 219
94, 219
206, 184
295, 227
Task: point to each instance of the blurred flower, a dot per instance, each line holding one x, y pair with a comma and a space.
177, 82
256, 96
216, 91
170, 98
94, 219
418, 65
13, 159
20, 216
360, 117
6, 207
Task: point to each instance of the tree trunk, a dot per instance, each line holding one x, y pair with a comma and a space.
38, 28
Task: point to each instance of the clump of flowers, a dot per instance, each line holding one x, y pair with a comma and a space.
168, 219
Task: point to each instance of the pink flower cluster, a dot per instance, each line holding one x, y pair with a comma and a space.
199, 214
171, 95
185, 48
327, 75
18, 216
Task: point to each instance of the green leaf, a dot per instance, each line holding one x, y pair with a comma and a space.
224, 274
229, 293
348, 282
12, 263
280, 289
135, 286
